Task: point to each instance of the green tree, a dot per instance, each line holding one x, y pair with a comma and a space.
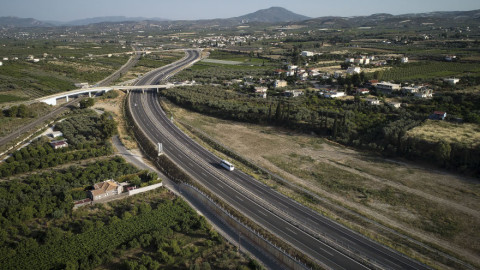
443, 151
22, 111
86, 103
12, 112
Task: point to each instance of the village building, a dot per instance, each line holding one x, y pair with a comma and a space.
363, 91
424, 93
387, 87
105, 189
438, 115
307, 54
261, 91
452, 81
56, 134
372, 101
58, 144
293, 93
280, 83
353, 70
395, 105
334, 94
82, 85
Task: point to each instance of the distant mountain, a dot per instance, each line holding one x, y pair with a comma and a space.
11, 22
111, 19
272, 15
439, 18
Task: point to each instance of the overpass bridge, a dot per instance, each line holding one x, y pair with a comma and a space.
52, 99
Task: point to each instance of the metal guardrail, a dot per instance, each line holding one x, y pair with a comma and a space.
246, 227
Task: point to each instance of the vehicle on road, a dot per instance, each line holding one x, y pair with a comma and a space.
227, 165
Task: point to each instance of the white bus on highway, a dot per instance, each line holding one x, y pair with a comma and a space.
227, 165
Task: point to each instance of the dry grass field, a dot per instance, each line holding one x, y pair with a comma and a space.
435, 207
435, 131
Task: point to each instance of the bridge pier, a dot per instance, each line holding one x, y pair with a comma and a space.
89, 94
143, 91
66, 98
158, 90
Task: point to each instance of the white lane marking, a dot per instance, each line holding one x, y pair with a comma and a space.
239, 198
262, 213
288, 229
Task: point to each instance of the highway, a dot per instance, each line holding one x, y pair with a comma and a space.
278, 214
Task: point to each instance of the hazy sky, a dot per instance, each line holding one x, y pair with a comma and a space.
66, 10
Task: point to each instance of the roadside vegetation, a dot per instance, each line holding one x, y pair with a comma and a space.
13, 117
87, 136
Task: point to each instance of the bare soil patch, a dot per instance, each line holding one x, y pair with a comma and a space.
115, 107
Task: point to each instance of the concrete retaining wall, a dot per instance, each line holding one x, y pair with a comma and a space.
144, 189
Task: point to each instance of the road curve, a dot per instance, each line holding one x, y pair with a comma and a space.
278, 214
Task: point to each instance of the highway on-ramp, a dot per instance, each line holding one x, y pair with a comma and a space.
297, 225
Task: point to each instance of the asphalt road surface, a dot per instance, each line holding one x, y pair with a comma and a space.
278, 214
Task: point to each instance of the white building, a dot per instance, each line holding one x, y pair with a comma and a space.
452, 81
338, 74
410, 89
372, 101
334, 94
293, 93
404, 60
105, 189
353, 70
363, 91
303, 76
1, 64
395, 105
359, 61
280, 83
388, 87
450, 58
82, 85
261, 91
56, 134
292, 67
307, 54
426, 93
58, 144
349, 60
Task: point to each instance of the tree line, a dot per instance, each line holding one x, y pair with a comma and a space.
351, 122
